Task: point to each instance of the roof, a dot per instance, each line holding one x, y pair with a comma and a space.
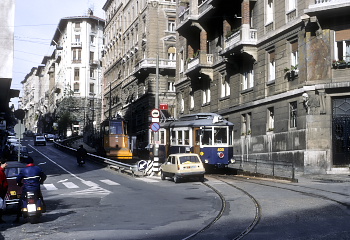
63, 24
197, 120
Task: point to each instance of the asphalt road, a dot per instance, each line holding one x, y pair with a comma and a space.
93, 202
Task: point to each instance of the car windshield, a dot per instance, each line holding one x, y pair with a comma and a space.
22, 148
40, 138
189, 159
12, 172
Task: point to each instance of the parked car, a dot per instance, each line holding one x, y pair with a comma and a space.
39, 140
23, 151
183, 166
12, 139
14, 192
50, 137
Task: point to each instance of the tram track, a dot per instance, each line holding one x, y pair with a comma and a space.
248, 229
291, 187
338, 198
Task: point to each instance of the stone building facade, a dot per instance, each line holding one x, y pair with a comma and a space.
137, 33
68, 81
277, 69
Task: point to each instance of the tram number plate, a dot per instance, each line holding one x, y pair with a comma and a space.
220, 149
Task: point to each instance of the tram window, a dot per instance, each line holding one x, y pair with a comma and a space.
162, 137
106, 130
173, 137
116, 128
187, 137
179, 137
207, 138
220, 135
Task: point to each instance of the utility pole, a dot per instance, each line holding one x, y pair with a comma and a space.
156, 134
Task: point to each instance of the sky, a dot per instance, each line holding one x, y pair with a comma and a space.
35, 25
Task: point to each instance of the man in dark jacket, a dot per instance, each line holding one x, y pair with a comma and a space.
31, 177
3, 185
81, 154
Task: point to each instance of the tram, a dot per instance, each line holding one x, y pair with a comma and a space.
207, 134
116, 142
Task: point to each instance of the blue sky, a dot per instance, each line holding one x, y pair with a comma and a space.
35, 24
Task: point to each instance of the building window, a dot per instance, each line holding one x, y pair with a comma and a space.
269, 11
225, 86
171, 87
291, 5
92, 39
342, 46
77, 38
191, 100
76, 74
270, 119
91, 57
248, 79
182, 103
76, 87
171, 25
76, 54
77, 25
293, 114
294, 56
92, 88
92, 73
246, 126
272, 66
172, 53
206, 93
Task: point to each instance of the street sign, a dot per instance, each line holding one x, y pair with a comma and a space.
155, 113
163, 106
142, 165
154, 127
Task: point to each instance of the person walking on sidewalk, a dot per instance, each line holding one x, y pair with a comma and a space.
3, 188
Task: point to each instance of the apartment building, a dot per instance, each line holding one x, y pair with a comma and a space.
277, 69
140, 47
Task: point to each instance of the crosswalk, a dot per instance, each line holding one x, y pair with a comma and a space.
87, 187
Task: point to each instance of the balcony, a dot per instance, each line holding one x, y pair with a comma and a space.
241, 37
76, 44
152, 63
323, 5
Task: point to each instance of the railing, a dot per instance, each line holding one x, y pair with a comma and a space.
122, 167
264, 167
237, 38
184, 15
204, 6
76, 44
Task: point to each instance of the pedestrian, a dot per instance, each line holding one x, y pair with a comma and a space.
81, 154
3, 188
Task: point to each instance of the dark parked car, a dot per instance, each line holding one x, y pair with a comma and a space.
23, 152
14, 192
39, 140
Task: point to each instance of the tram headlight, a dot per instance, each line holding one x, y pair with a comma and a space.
221, 155
206, 161
233, 160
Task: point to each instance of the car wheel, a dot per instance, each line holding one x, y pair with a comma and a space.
162, 176
176, 179
201, 178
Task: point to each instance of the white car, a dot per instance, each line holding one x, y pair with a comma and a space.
181, 166
39, 140
12, 140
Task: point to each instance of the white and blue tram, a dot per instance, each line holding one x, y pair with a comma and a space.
207, 134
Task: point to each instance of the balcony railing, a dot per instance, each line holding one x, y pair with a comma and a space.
203, 59
152, 62
204, 6
76, 44
239, 38
325, 3
184, 15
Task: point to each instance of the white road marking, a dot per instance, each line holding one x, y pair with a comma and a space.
70, 185
149, 180
109, 182
49, 187
90, 184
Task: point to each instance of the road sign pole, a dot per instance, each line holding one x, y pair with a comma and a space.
156, 134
